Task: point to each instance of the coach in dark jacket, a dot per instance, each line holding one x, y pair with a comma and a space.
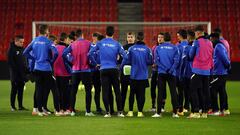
17, 67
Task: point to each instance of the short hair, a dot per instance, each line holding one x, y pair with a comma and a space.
43, 29
131, 33
52, 38
161, 33
182, 33
95, 34
63, 36
217, 30
79, 33
18, 37
73, 33
167, 37
140, 36
100, 37
110, 31
71, 37
191, 33
199, 28
215, 35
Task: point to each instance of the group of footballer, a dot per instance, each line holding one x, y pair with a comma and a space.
195, 69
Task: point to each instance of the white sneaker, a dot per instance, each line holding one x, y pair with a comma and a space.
67, 112
90, 114
35, 111
42, 114
44, 110
215, 113
13, 109
185, 110
174, 115
59, 113
73, 113
157, 115
194, 116
108, 115
152, 110
120, 115
162, 110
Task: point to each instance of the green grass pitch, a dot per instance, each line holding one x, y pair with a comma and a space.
23, 123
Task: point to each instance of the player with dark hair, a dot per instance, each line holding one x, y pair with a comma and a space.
154, 76
167, 59
80, 70
139, 57
52, 87
183, 43
96, 74
18, 69
62, 72
44, 54
218, 84
202, 55
109, 49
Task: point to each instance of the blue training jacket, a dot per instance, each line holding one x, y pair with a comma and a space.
96, 57
186, 62
180, 69
221, 60
139, 57
109, 49
167, 58
43, 53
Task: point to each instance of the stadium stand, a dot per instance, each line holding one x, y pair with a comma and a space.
221, 13
17, 15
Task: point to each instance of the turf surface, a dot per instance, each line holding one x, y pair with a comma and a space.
23, 123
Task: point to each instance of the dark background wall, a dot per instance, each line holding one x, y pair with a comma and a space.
4, 72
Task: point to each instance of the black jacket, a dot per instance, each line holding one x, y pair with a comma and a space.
17, 63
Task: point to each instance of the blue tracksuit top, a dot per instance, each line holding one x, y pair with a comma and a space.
96, 57
139, 57
167, 58
43, 52
186, 62
221, 60
181, 46
109, 49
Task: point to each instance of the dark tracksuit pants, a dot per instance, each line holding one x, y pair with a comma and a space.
52, 86
200, 85
186, 85
16, 90
125, 82
110, 77
162, 80
97, 86
218, 86
63, 83
180, 93
17, 86
138, 88
42, 86
154, 81
153, 88
85, 77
